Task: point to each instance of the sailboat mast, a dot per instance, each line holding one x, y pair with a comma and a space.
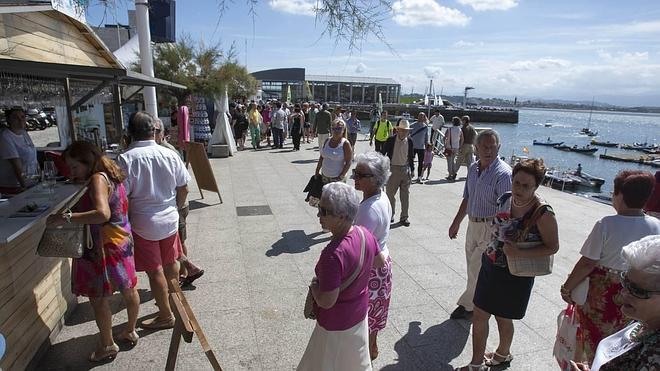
591, 111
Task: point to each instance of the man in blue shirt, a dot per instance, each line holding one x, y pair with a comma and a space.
487, 180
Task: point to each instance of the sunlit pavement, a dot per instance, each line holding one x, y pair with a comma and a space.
250, 301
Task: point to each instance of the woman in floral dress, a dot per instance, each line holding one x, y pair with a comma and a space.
601, 261
108, 265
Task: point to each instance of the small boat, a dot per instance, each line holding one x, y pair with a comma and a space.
638, 146
548, 124
592, 133
587, 180
654, 151
546, 143
586, 149
560, 180
594, 142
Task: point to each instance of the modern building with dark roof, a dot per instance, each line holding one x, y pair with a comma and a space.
279, 83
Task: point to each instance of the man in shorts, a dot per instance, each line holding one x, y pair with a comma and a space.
157, 186
188, 272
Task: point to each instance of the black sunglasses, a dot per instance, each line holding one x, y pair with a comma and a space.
634, 290
323, 211
357, 175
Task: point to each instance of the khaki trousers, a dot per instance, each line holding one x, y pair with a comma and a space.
476, 240
400, 179
322, 138
465, 156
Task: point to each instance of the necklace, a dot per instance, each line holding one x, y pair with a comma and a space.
513, 201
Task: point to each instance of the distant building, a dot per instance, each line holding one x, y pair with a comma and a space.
282, 82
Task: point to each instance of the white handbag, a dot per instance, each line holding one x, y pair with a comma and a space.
579, 293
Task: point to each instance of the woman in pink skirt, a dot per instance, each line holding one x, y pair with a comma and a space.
370, 174
107, 266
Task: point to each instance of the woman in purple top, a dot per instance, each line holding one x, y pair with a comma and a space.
340, 340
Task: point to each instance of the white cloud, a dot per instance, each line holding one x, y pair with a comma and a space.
432, 71
467, 44
479, 5
539, 64
623, 58
361, 67
298, 7
412, 13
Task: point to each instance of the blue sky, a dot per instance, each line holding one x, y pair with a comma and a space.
558, 49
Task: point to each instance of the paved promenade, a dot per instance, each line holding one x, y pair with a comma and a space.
250, 300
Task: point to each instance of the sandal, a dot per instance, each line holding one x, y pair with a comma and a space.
158, 323
188, 280
489, 359
106, 354
130, 338
472, 367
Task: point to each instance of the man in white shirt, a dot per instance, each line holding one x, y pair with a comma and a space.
437, 123
156, 185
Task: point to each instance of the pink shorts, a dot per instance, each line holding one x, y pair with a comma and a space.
151, 255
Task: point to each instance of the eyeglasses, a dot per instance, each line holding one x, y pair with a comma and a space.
338, 128
323, 211
357, 175
635, 290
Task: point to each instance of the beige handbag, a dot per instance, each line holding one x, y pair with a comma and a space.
309, 301
67, 240
530, 267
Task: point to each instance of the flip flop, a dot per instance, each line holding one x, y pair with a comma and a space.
158, 324
493, 362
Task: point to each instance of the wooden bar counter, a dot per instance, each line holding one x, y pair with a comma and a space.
35, 292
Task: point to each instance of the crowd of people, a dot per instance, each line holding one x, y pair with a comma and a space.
510, 229
511, 236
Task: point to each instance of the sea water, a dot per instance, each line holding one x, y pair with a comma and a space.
618, 127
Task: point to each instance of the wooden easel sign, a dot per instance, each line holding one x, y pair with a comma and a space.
185, 326
196, 156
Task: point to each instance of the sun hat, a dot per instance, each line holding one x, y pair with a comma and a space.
403, 125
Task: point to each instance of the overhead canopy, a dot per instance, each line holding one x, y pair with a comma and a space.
38, 40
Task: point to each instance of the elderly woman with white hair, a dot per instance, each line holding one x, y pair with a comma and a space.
341, 296
371, 173
636, 346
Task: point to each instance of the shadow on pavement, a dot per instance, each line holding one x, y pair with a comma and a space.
431, 350
305, 161
194, 205
295, 241
84, 312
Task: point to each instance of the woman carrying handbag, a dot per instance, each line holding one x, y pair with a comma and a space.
108, 265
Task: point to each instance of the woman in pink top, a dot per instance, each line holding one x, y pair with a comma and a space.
340, 340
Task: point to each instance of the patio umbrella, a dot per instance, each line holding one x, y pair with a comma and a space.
380, 103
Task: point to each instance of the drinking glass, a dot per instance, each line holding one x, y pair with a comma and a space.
50, 174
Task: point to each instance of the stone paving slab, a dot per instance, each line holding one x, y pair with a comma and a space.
250, 300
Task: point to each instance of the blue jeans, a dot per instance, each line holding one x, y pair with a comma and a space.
278, 136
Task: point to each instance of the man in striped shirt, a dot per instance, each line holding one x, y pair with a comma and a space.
487, 180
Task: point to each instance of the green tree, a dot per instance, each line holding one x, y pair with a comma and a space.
204, 70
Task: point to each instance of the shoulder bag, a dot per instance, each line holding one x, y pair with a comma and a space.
67, 240
309, 301
530, 267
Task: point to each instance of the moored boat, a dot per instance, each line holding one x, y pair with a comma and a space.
585, 150
546, 143
594, 142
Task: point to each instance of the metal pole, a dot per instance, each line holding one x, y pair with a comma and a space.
69, 115
146, 60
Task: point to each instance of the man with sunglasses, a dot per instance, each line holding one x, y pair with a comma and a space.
399, 149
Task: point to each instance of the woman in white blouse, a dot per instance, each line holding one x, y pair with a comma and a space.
336, 154
370, 174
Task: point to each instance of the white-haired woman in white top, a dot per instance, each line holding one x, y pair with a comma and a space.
371, 174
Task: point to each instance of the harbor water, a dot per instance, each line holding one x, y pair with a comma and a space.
618, 127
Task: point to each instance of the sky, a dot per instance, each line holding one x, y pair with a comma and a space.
560, 49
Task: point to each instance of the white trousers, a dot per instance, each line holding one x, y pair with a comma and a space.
476, 240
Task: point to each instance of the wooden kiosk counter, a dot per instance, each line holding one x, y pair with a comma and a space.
35, 292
